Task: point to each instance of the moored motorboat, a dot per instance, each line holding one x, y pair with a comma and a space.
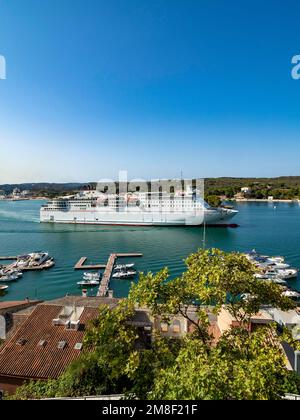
92, 276
271, 267
286, 274
87, 283
3, 287
120, 267
9, 277
124, 274
11, 272
290, 293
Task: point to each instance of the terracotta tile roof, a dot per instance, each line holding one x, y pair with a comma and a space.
16, 303
93, 302
37, 362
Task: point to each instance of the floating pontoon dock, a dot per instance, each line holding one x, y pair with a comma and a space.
8, 258
104, 284
80, 265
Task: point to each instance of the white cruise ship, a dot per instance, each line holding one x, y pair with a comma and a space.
135, 209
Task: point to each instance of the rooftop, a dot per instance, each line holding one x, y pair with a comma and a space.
16, 303
287, 317
90, 302
40, 349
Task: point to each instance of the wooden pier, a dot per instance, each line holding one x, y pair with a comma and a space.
104, 285
81, 266
8, 258
108, 269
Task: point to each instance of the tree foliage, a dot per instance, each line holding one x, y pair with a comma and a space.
213, 200
240, 367
213, 278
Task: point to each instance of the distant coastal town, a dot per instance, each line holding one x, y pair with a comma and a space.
217, 190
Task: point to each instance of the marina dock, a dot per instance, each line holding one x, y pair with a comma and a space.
104, 285
108, 269
81, 266
8, 258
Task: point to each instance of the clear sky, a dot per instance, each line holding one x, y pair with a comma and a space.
150, 86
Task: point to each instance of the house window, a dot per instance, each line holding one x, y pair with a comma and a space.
176, 327
164, 327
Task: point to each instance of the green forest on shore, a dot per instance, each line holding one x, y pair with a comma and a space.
280, 188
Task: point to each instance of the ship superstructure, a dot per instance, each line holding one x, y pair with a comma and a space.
176, 208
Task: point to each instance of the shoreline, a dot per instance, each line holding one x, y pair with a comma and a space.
238, 200
264, 200
24, 199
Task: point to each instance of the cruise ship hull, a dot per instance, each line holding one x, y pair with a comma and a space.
209, 216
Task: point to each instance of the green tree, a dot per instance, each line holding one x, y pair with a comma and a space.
213, 200
239, 367
213, 278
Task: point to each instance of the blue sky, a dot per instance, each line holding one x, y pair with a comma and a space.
154, 87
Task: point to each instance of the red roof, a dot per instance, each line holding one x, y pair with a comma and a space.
16, 303
32, 360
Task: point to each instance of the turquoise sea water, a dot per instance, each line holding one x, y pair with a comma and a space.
269, 230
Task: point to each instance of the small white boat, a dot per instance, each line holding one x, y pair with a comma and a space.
124, 274
12, 272
291, 294
279, 281
38, 258
91, 276
88, 283
276, 280
22, 261
3, 287
267, 264
275, 260
9, 277
289, 273
35, 259
120, 267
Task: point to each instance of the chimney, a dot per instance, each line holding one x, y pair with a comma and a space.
110, 294
84, 293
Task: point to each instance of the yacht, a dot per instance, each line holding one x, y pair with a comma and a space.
9, 277
91, 276
90, 282
120, 267
124, 274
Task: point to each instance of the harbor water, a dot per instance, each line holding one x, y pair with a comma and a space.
270, 229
